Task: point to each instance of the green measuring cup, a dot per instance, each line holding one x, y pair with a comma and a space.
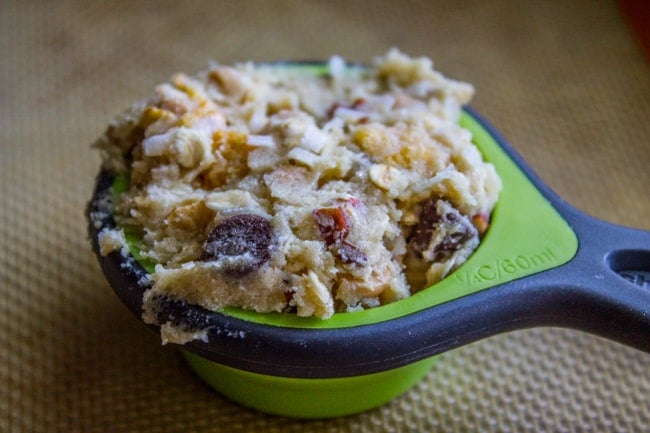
541, 263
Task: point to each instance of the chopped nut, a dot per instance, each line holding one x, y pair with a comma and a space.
376, 140
332, 224
230, 153
350, 253
188, 147
481, 222
190, 217
316, 299
230, 199
303, 157
288, 183
387, 177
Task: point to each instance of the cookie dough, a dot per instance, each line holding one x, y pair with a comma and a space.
282, 188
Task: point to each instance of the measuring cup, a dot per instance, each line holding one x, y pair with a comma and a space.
541, 263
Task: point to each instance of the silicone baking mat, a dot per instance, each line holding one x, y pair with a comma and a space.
565, 82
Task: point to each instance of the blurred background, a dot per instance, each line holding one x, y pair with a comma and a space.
567, 83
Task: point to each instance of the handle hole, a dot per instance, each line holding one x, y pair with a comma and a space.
631, 265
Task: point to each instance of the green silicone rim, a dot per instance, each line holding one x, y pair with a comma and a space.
309, 398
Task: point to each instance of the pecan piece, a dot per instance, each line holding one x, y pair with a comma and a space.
334, 227
332, 224
481, 221
350, 253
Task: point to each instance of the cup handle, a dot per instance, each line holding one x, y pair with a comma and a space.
607, 282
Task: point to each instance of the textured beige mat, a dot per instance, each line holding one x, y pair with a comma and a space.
564, 81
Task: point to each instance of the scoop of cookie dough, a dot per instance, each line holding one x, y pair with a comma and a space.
278, 188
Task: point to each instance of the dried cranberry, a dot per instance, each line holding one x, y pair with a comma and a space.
241, 243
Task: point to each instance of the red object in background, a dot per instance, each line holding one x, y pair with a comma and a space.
637, 13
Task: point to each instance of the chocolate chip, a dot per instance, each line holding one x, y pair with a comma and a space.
423, 231
241, 244
441, 231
